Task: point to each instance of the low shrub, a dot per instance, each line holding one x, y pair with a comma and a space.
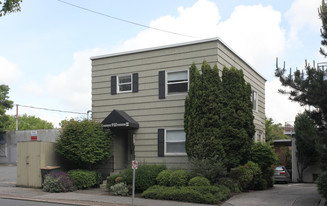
111, 180
179, 178
230, 183
119, 189
267, 175
256, 182
203, 194
322, 184
265, 157
58, 182
163, 178
145, 176
211, 168
83, 178
199, 181
242, 175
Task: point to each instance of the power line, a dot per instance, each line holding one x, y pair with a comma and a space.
126, 21
53, 110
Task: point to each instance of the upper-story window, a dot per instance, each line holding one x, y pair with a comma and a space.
255, 100
177, 82
124, 83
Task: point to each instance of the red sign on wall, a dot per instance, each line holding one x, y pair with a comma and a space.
33, 135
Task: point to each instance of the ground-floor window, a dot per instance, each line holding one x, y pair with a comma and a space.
175, 141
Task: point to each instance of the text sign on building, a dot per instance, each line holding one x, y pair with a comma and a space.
33, 135
126, 124
134, 164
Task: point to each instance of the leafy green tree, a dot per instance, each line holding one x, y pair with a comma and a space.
237, 128
28, 122
84, 142
274, 131
305, 140
5, 104
9, 6
309, 88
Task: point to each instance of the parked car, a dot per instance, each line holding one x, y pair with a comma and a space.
282, 175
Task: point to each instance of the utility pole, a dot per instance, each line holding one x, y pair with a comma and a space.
16, 117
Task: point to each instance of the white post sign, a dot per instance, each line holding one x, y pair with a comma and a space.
134, 166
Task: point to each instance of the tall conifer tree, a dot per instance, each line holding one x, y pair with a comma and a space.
237, 118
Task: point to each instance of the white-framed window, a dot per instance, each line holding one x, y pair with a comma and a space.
175, 142
124, 83
177, 82
254, 100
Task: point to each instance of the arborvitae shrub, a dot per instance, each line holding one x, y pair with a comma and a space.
179, 178
199, 181
163, 178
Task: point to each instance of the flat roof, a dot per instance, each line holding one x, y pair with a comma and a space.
174, 45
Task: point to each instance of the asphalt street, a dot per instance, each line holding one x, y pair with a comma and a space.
279, 195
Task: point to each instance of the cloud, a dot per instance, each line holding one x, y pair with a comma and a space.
254, 32
73, 86
9, 71
199, 21
278, 106
303, 14
33, 88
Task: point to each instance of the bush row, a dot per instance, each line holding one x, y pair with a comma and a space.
196, 194
145, 177
74, 179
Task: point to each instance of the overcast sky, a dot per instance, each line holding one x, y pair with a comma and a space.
45, 49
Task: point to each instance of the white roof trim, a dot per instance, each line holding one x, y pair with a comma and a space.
175, 45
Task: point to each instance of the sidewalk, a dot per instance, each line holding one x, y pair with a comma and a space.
96, 196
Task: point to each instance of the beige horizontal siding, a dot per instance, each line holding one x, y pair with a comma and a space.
145, 107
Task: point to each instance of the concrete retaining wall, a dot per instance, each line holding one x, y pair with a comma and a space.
8, 143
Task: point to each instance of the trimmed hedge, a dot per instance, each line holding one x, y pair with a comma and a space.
145, 177
199, 181
179, 178
204, 194
83, 178
230, 183
163, 178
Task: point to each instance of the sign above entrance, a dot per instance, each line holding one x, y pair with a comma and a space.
126, 124
119, 120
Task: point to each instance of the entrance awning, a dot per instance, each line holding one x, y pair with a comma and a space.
120, 120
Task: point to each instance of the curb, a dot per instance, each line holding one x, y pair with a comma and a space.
60, 201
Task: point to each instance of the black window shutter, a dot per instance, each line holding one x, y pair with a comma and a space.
161, 142
162, 82
135, 82
113, 85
